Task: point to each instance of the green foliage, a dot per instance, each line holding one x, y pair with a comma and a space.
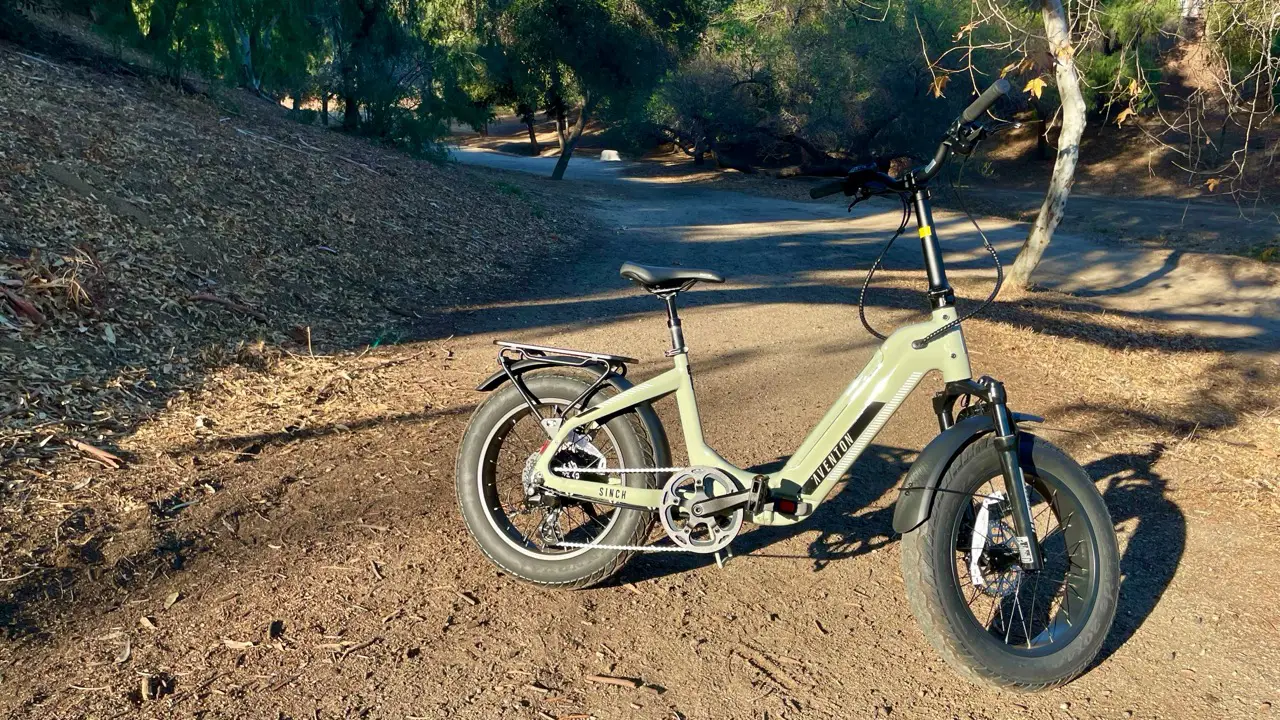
613, 49
1124, 66
849, 84
304, 116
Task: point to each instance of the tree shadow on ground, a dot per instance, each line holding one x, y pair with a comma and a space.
75, 585
845, 526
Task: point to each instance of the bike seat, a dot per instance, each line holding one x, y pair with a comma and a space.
658, 279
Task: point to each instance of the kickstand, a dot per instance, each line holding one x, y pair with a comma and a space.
721, 558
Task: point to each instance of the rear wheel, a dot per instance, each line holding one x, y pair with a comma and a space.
531, 534
991, 620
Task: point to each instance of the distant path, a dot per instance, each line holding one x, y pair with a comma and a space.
1205, 224
1231, 300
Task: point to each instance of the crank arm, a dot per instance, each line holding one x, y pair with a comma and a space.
721, 505
755, 500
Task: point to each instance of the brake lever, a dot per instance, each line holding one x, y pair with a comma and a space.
863, 194
966, 137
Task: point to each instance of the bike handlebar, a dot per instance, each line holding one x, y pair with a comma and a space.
860, 177
984, 102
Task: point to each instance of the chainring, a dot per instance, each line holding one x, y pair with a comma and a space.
700, 535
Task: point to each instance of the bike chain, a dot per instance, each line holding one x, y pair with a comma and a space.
607, 471
629, 548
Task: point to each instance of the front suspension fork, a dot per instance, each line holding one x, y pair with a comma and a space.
991, 392
1015, 484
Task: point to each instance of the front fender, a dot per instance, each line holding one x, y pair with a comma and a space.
915, 499
652, 424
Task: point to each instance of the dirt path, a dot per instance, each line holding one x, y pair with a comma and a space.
1234, 300
329, 537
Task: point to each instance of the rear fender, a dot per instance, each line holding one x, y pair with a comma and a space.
915, 500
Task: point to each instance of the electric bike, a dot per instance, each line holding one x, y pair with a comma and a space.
1008, 551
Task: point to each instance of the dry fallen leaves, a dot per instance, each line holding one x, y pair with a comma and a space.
149, 253
939, 84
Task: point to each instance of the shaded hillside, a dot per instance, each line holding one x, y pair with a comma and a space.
147, 235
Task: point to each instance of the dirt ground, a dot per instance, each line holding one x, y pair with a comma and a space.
294, 548
284, 541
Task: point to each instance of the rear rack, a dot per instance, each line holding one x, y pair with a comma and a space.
543, 351
513, 352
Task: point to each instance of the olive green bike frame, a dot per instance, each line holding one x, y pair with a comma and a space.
826, 454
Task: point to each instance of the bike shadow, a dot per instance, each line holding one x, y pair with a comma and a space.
1134, 491
858, 519
852, 522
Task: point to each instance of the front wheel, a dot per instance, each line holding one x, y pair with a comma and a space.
992, 621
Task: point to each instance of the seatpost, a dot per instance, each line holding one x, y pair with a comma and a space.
673, 322
940, 293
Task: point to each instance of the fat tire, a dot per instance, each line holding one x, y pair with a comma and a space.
928, 562
632, 527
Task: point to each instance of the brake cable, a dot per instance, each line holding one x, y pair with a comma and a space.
866, 282
902, 226
995, 257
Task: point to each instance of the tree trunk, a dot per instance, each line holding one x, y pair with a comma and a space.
324, 108
250, 78
350, 113
572, 141
1058, 34
160, 22
533, 135
700, 136
562, 131
1042, 137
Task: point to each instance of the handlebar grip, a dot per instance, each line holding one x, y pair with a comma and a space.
986, 100
828, 188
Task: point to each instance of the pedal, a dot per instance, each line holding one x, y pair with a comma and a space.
758, 495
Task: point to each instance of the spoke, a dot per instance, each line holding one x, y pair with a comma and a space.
524, 443
1000, 607
1035, 593
1017, 603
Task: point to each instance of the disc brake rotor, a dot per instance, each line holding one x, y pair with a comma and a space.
992, 550
700, 535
